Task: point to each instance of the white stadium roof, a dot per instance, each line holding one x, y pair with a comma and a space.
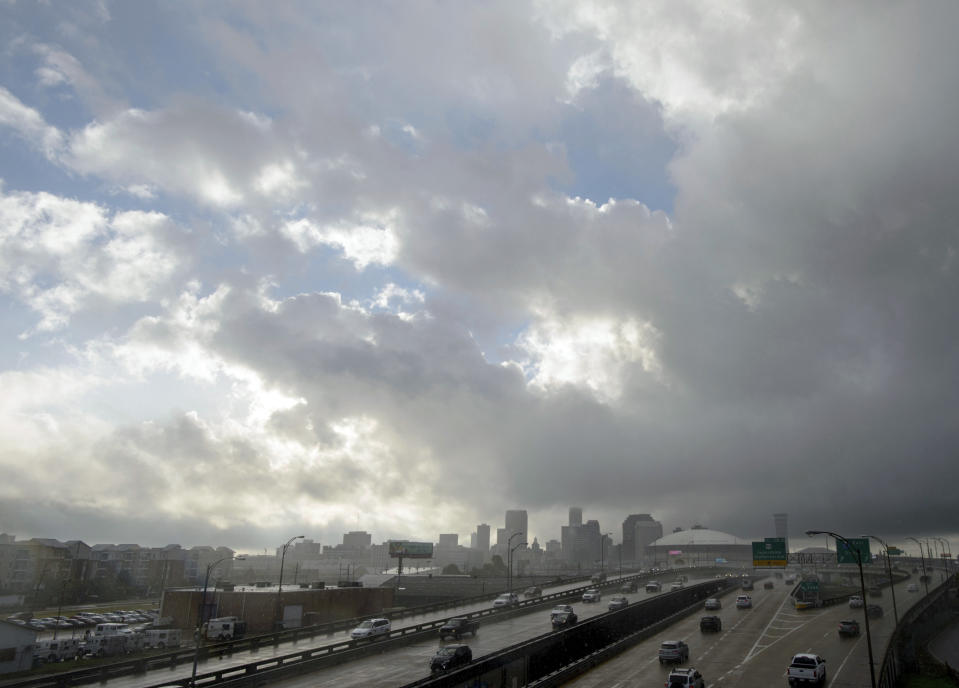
699, 536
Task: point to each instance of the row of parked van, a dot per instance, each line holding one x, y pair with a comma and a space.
107, 640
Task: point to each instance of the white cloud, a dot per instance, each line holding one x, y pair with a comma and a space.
29, 124
372, 241
57, 254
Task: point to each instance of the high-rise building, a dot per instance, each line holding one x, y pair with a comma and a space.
575, 516
782, 527
501, 537
357, 539
516, 522
644, 533
482, 537
449, 540
646, 526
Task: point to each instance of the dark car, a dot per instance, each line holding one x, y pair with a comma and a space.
564, 619
874, 611
451, 657
710, 623
629, 586
459, 626
850, 627
768, 585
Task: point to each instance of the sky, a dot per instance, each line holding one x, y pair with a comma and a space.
270, 269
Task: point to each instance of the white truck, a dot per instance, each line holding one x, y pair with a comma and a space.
162, 638
806, 668
225, 628
57, 650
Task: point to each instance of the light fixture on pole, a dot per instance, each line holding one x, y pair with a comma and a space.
922, 558
944, 555
278, 618
892, 583
509, 559
862, 586
202, 611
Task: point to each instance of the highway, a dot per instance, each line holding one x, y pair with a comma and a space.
408, 663
755, 646
265, 652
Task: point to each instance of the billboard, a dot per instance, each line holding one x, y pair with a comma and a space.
411, 550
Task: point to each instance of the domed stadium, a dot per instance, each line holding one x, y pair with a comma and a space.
699, 547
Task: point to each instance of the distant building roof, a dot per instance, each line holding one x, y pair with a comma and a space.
699, 536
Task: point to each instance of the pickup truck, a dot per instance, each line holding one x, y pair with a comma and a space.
806, 668
458, 626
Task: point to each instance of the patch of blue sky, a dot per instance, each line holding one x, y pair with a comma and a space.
617, 147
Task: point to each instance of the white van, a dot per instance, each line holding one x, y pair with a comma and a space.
111, 629
225, 628
57, 650
162, 638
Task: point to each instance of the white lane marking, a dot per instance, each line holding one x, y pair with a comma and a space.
753, 648
845, 659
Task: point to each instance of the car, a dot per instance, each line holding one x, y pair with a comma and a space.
713, 603
653, 586
747, 584
597, 578
563, 619
710, 623
618, 602
458, 626
874, 611
855, 602
450, 657
507, 599
806, 668
36, 625
629, 586
561, 609
676, 585
849, 627
673, 651
768, 585
912, 587
744, 602
685, 678
790, 579
533, 591
371, 628
592, 595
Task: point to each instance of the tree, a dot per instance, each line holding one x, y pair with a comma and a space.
452, 570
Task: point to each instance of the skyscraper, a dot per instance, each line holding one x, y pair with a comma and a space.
782, 527
482, 538
575, 516
634, 545
516, 522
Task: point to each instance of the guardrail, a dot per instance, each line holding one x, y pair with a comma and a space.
896, 659
171, 659
545, 660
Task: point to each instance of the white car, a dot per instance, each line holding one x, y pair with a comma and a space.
371, 628
912, 587
507, 599
592, 595
855, 602
744, 602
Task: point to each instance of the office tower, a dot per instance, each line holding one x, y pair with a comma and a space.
782, 527
482, 537
516, 522
575, 516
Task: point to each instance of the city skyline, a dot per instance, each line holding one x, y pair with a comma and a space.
310, 268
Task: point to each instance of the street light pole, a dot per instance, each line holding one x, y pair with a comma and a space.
862, 586
509, 559
278, 620
925, 580
199, 617
892, 583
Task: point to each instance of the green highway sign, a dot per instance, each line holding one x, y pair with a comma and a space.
809, 586
770, 553
893, 551
847, 555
